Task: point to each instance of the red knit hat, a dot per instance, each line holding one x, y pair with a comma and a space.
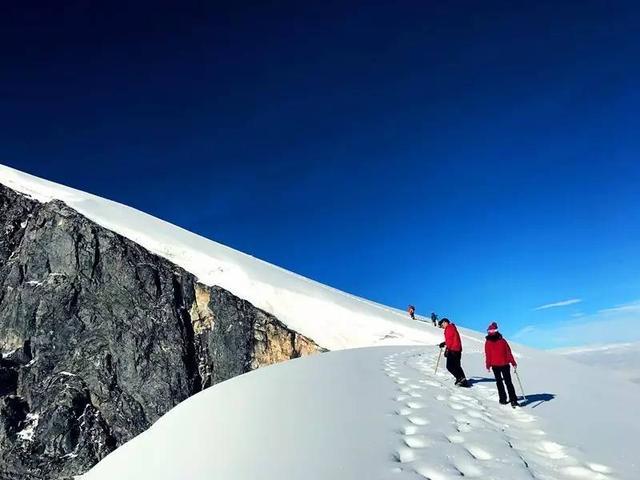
493, 328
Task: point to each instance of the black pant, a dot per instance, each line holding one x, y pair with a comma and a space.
453, 364
503, 373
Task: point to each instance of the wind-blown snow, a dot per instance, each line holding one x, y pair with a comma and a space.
382, 413
332, 318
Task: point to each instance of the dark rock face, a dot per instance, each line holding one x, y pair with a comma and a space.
100, 338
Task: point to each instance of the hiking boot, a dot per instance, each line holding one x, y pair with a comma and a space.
463, 383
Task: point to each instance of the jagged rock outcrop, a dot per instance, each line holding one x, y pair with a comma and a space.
100, 338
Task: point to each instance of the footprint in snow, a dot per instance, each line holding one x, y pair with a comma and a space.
478, 452
404, 455
420, 421
550, 449
596, 467
468, 468
437, 472
455, 438
418, 441
431, 383
578, 471
410, 430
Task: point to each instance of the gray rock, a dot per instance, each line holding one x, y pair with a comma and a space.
101, 337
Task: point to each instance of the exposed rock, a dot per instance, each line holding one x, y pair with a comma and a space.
100, 338
201, 314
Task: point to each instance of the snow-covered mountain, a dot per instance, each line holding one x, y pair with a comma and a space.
334, 319
620, 358
376, 413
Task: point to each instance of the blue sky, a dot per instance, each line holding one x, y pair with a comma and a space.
477, 159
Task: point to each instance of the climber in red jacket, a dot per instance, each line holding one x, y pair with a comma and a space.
498, 357
453, 351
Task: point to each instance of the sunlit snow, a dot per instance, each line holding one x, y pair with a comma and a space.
366, 413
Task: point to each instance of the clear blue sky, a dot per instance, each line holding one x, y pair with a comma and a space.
478, 159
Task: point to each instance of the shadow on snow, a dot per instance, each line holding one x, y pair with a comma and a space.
537, 399
474, 380
534, 400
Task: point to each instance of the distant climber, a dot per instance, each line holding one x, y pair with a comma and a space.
412, 312
498, 357
434, 318
453, 351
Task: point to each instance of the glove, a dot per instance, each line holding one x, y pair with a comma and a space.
442, 345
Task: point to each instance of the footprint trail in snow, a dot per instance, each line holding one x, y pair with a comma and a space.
448, 432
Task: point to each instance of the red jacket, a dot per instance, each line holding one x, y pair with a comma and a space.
452, 338
497, 352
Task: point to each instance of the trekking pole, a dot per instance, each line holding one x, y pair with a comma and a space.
438, 362
515, 370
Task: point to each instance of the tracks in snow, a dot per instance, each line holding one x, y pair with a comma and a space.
448, 432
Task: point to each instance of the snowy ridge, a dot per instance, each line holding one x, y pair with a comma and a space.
382, 413
332, 318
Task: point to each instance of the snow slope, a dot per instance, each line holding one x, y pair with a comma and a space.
332, 318
381, 413
369, 413
621, 358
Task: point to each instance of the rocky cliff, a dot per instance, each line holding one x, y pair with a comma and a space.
100, 338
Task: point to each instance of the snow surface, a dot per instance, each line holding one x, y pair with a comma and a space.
620, 358
382, 413
367, 413
332, 318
